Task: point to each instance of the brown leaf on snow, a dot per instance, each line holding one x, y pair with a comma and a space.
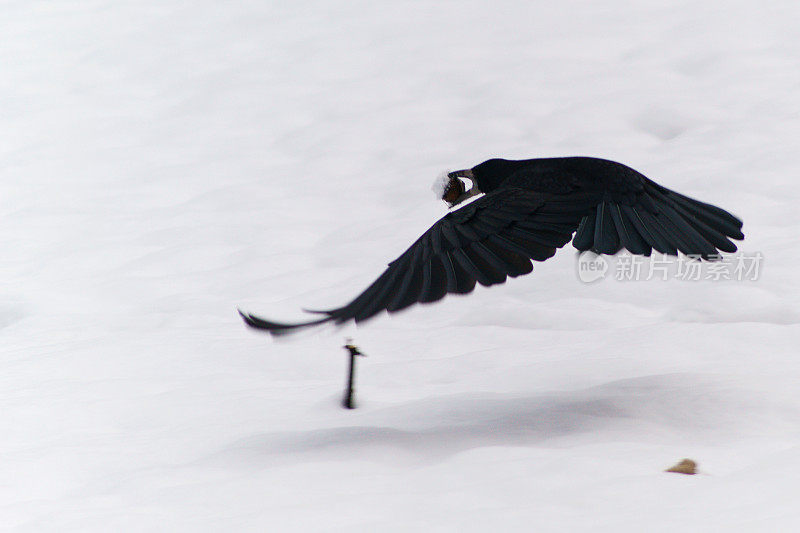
687, 466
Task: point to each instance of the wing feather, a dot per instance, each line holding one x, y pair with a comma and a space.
483, 242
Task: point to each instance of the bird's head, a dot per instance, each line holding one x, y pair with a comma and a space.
451, 186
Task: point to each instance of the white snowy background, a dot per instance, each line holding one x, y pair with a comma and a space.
165, 162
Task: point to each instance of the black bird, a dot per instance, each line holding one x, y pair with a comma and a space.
529, 209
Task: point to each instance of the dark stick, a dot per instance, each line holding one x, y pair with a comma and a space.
347, 402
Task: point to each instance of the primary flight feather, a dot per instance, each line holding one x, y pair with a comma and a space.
529, 209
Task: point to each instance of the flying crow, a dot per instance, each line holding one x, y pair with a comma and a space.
529, 209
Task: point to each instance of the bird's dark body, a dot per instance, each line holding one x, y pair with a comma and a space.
530, 209
560, 175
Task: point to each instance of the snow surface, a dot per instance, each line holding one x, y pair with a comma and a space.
165, 162
440, 184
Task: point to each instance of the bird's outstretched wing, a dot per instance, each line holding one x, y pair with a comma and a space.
484, 242
641, 215
497, 236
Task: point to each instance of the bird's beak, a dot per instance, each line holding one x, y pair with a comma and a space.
455, 192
